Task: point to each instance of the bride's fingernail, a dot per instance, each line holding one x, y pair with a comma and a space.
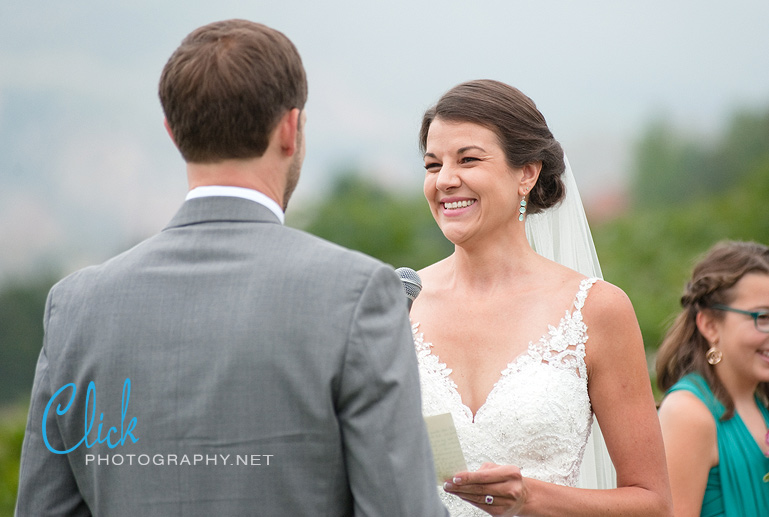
457, 480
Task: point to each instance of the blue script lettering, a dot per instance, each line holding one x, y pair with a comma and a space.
124, 432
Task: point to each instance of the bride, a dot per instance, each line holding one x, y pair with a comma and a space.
521, 350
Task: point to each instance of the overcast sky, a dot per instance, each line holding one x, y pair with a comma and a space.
86, 167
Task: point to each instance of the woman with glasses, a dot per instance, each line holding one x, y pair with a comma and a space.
714, 365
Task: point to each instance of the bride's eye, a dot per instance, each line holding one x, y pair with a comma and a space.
432, 167
468, 159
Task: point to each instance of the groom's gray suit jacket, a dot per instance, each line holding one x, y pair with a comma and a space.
271, 373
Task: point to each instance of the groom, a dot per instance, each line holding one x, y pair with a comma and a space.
229, 365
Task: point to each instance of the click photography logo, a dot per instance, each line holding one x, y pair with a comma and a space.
121, 442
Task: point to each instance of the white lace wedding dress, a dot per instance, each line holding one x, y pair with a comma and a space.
538, 415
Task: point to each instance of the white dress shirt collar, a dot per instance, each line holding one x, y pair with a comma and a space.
245, 193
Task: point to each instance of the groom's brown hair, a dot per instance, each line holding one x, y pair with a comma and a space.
226, 86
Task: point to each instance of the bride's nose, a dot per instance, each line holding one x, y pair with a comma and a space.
448, 178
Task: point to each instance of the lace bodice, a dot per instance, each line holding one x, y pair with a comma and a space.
538, 414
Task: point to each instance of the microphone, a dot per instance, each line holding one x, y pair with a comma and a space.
412, 284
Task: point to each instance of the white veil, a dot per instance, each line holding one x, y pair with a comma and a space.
563, 235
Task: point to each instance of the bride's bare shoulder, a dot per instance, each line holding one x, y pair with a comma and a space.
554, 274
609, 313
605, 296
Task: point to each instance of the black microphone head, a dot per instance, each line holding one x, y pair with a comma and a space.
412, 284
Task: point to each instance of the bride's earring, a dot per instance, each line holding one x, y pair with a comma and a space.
522, 210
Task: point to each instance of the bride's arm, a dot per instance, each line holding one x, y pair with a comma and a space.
622, 400
621, 396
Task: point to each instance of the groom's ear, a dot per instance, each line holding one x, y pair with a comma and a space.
529, 177
168, 130
286, 132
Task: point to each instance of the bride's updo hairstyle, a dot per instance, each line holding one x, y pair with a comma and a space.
520, 127
683, 349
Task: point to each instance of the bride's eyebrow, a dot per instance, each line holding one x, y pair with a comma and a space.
469, 147
461, 150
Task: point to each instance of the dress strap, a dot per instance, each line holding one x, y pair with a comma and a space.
584, 287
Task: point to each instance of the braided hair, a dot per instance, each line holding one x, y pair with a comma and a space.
683, 348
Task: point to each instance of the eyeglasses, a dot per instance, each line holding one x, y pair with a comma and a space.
760, 318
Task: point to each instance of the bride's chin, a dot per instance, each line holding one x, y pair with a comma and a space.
456, 238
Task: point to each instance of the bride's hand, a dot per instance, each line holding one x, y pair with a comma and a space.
495, 489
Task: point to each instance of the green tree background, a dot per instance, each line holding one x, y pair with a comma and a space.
689, 192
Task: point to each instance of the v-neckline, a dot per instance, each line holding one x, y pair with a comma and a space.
765, 414
578, 302
446, 372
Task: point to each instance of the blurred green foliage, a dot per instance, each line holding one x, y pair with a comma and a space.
395, 228
688, 193
650, 252
21, 334
673, 166
12, 422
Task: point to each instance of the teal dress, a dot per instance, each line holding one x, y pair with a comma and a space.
735, 486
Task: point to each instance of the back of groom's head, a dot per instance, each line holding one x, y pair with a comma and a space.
225, 88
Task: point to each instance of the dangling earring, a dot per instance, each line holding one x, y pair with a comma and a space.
522, 210
713, 355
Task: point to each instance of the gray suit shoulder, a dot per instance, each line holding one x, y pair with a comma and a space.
89, 274
325, 250
292, 252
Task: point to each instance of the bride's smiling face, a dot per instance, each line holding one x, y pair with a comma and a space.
470, 187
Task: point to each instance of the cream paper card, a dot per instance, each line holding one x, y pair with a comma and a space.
447, 453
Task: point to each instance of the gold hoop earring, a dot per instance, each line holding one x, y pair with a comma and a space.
713, 355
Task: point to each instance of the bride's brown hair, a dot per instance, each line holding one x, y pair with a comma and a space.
521, 128
683, 349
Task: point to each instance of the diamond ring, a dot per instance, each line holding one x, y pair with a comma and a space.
489, 499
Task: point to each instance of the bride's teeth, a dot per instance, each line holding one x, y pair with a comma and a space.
458, 204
